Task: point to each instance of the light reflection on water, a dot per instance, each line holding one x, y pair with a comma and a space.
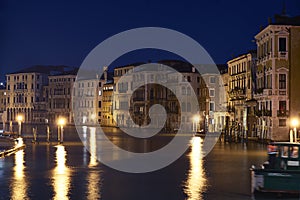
94, 183
44, 171
93, 147
61, 175
19, 183
196, 179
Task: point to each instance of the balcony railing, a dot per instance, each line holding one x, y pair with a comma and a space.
282, 92
267, 92
260, 113
237, 93
282, 113
283, 54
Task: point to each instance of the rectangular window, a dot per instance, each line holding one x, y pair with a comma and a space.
211, 106
99, 104
282, 81
189, 79
282, 44
282, 105
212, 79
211, 92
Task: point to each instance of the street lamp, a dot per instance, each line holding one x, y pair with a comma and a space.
60, 132
295, 123
19, 119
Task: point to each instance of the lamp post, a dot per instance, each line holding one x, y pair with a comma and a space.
19, 119
295, 123
60, 132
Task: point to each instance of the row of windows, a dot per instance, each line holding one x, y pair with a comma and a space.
266, 81
22, 77
61, 80
237, 68
267, 47
267, 105
21, 99
88, 84
23, 86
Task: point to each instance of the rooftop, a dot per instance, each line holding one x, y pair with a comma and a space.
45, 69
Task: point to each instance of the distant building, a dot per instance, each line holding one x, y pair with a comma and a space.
58, 96
3, 95
240, 91
151, 92
86, 101
107, 105
213, 102
278, 73
25, 92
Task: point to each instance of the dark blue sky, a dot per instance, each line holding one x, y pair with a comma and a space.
63, 32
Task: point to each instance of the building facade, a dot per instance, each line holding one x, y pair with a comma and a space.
24, 92
277, 77
58, 96
240, 91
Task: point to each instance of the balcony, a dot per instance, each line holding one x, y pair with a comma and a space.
237, 93
282, 113
282, 92
283, 54
267, 92
261, 113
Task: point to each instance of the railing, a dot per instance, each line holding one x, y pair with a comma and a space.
282, 92
260, 113
267, 92
283, 54
282, 113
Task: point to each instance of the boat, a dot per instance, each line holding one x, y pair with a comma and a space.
281, 173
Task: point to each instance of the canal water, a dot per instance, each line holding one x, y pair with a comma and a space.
68, 171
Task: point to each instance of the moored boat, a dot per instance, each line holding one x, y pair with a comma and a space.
281, 173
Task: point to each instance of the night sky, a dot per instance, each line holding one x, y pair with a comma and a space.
63, 32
